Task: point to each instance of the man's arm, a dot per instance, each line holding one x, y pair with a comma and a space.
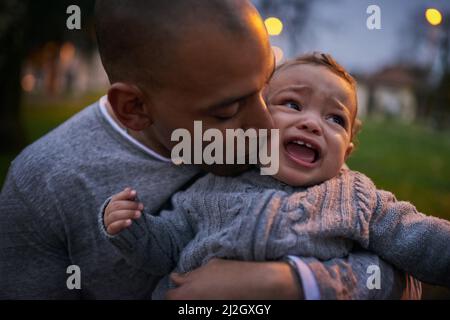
234, 280
344, 278
33, 259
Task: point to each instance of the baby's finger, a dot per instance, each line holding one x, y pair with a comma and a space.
127, 194
124, 205
116, 227
122, 215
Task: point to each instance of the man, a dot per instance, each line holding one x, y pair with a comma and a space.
170, 63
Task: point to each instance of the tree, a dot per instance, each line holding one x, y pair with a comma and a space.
27, 25
12, 41
428, 47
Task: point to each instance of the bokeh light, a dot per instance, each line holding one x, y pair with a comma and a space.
28, 82
274, 26
434, 17
67, 52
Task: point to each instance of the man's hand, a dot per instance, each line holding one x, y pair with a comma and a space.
229, 280
121, 210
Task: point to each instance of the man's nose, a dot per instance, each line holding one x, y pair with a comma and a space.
311, 124
257, 115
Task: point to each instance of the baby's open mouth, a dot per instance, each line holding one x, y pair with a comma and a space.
303, 152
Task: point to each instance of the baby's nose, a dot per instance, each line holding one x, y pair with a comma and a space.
311, 125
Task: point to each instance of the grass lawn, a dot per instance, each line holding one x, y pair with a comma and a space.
411, 161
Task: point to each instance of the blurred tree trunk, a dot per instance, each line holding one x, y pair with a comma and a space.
441, 111
27, 25
13, 18
370, 98
441, 105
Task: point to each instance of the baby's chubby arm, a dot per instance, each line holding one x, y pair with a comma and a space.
150, 243
410, 240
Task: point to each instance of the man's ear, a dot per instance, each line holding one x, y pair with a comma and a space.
129, 106
349, 150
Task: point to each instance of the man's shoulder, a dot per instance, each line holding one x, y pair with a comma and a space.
63, 144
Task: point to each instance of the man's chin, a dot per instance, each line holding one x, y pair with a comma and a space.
226, 169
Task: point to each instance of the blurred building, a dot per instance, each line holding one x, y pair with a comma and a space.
55, 70
395, 91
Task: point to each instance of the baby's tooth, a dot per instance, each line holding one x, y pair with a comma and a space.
308, 145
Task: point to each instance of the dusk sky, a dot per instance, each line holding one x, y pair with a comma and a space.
339, 27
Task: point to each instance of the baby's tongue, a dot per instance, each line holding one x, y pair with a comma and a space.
301, 152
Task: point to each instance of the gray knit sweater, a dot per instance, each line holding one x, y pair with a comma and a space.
258, 218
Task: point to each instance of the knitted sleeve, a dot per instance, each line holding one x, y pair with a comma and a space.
349, 278
350, 199
154, 243
410, 240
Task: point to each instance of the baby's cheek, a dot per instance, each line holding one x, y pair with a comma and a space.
332, 170
277, 117
335, 161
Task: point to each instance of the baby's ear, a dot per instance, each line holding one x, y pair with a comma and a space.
349, 150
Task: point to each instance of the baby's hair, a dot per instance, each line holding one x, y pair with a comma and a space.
326, 60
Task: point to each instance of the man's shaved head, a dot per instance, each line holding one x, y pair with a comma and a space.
174, 62
138, 39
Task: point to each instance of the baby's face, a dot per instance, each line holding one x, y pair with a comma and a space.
314, 110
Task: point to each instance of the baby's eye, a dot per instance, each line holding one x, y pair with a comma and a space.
293, 105
338, 119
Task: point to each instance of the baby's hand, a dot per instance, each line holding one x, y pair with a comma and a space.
121, 210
